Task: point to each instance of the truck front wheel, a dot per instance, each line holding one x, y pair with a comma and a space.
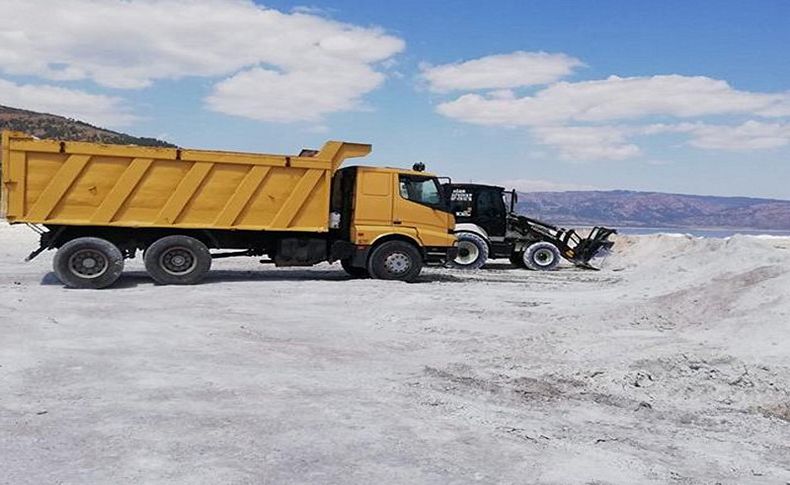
542, 256
177, 260
88, 262
472, 251
395, 260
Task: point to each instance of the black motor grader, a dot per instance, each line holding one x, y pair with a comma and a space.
487, 226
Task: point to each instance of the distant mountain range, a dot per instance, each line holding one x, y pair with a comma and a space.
45, 125
623, 208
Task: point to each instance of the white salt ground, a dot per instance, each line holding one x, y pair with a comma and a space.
671, 365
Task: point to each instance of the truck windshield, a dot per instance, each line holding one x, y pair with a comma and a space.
423, 190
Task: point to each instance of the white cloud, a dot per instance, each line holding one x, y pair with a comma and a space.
132, 43
582, 143
96, 109
751, 135
616, 98
312, 10
597, 120
500, 71
300, 95
614, 142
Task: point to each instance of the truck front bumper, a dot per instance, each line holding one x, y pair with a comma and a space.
431, 256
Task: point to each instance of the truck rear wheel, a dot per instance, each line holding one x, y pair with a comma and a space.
395, 260
88, 262
354, 271
472, 251
542, 256
177, 260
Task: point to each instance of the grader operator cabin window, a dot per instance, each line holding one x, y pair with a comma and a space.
421, 190
490, 204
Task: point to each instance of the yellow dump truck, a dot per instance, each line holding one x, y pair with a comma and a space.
99, 204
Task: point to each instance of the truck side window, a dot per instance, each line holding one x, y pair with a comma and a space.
421, 190
404, 189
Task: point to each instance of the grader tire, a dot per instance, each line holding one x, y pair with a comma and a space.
472, 252
542, 256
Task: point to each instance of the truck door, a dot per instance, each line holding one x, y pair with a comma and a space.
373, 198
420, 204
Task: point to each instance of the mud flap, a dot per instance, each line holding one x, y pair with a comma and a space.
48, 240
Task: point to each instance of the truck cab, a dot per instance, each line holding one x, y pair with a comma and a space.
392, 208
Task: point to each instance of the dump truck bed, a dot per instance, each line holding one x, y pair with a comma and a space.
75, 183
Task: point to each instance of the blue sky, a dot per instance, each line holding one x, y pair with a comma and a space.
512, 92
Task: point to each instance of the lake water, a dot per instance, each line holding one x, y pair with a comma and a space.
718, 233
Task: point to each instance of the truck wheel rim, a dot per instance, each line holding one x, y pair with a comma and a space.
178, 261
397, 263
544, 257
468, 253
88, 263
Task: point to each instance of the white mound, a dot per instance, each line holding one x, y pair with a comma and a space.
669, 365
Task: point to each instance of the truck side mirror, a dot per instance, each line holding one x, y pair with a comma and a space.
513, 200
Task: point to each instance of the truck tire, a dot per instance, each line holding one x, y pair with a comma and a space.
472, 251
395, 260
517, 259
541, 256
88, 262
177, 260
354, 271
